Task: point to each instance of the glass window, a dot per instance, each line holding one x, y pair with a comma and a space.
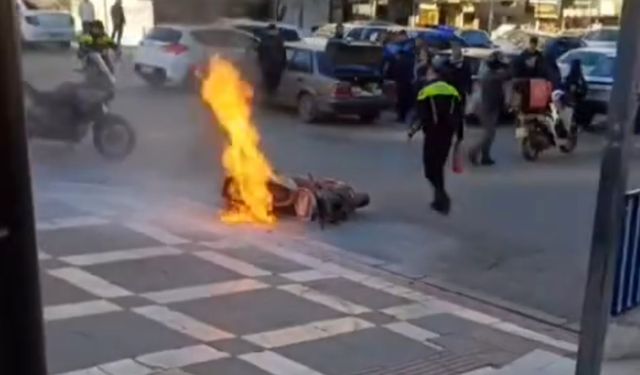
476, 38
165, 34
300, 61
289, 35
604, 35
605, 68
325, 65
355, 34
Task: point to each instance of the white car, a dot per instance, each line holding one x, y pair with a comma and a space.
602, 37
39, 25
590, 57
172, 54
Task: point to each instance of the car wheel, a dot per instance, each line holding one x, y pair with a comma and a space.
307, 108
370, 117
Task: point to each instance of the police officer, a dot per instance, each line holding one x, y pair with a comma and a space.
440, 111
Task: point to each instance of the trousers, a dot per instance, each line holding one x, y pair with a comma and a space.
489, 122
435, 152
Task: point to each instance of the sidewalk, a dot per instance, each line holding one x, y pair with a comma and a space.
180, 294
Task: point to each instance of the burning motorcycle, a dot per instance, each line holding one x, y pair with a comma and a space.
552, 128
325, 200
68, 112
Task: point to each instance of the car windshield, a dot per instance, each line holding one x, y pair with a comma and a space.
605, 68
475, 38
604, 35
164, 34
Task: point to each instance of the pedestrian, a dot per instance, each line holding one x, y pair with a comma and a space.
402, 72
118, 21
440, 113
575, 85
458, 72
272, 57
339, 33
492, 100
87, 14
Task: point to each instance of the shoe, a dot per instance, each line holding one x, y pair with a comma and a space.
487, 162
473, 159
442, 204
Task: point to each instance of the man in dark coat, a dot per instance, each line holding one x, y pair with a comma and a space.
272, 57
530, 63
458, 72
440, 112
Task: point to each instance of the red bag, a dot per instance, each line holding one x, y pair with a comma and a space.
457, 163
539, 94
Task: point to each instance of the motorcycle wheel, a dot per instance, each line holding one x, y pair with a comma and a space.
113, 137
529, 151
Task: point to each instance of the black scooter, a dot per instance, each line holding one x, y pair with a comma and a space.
68, 112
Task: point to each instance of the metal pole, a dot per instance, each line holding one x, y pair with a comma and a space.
21, 327
609, 214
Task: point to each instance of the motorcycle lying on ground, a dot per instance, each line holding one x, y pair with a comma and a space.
68, 112
325, 200
554, 127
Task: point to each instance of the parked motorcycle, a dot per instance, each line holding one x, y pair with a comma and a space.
553, 128
72, 109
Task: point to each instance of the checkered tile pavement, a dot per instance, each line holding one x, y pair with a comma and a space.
125, 296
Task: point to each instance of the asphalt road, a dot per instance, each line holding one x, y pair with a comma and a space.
519, 231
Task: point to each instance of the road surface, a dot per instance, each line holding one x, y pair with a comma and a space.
519, 232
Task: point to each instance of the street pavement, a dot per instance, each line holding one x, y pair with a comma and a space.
518, 237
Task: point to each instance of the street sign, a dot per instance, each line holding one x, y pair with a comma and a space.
626, 284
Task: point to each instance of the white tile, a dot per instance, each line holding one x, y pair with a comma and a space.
535, 336
482, 371
125, 367
420, 310
308, 275
92, 284
75, 310
183, 323
476, 316
205, 291
43, 256
415, 333
308, 332
88, 371
534, 362
72, 222
238, 266
169, 359
120, 255
276, 364
157, 234
328, 300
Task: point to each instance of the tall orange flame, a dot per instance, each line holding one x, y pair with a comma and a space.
230, 99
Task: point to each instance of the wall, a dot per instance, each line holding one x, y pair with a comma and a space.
304, 13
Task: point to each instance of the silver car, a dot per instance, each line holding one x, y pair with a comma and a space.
343, 79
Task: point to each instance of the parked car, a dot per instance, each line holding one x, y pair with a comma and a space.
476, 38
598, 69
557, 46
515, 41
437, 39
40, 25
170, 54
503, 29
334, 78
590, 57
602, 37
373, 31
290, 33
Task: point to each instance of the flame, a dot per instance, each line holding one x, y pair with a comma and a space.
230, 99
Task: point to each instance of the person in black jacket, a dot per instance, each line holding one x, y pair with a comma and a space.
575, 85
530, 63
458, 72
440, 112
272, 57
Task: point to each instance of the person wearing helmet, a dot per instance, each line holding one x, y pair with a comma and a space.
492, 100
440, 112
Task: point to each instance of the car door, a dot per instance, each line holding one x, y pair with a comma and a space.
297, 74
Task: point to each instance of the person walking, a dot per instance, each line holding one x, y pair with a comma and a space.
492, 100
458, 72
575, 85
272, 57
118, 20
440, 112
87, 14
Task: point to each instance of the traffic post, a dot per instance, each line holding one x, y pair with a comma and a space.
21, 327
610, 207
